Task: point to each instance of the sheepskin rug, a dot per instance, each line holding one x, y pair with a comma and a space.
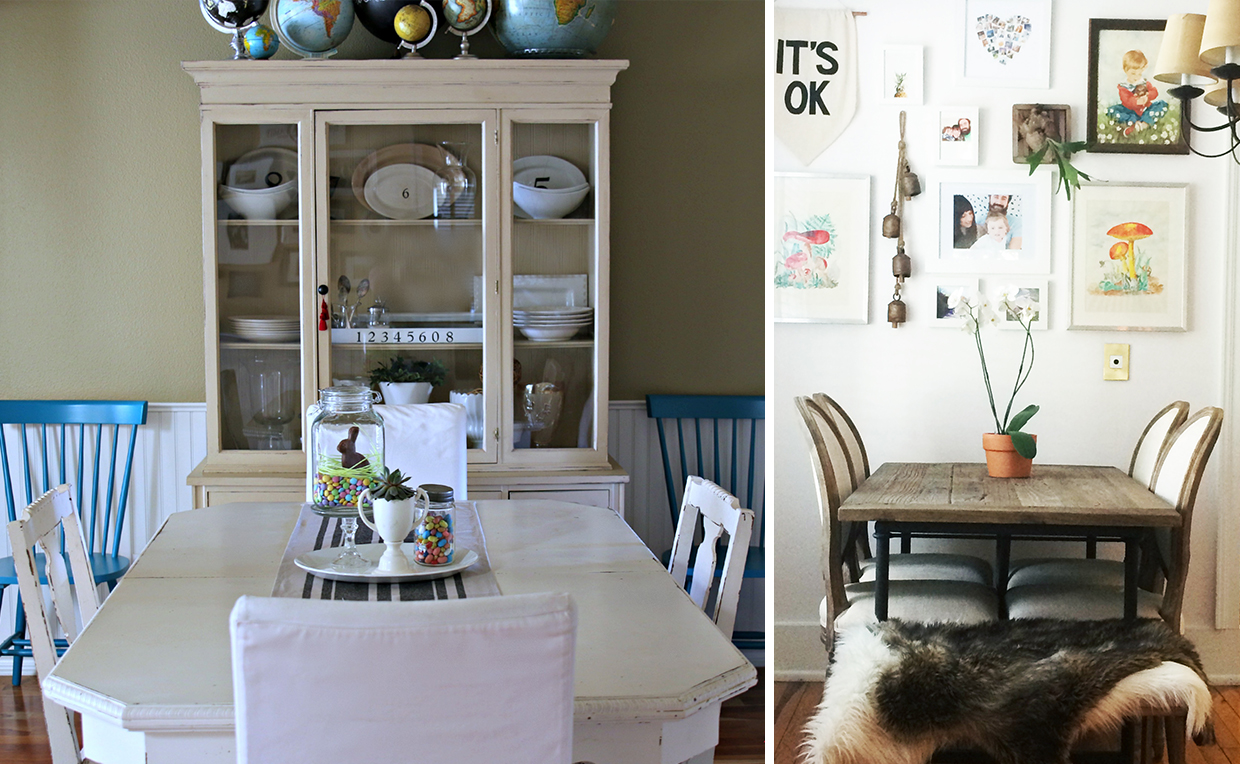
1021, 690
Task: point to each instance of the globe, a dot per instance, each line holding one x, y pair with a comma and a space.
552, 28
412, 23
260, 41
231, 15
465, 15
313, 28
378, 16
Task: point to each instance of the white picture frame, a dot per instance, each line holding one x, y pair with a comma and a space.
821, 248
1025, 204
941, 290
903, 75
1038, 289
958, 135
1005, 43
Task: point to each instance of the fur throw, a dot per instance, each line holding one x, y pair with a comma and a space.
1022, 690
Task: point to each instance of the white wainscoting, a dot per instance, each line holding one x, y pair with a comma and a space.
173, 442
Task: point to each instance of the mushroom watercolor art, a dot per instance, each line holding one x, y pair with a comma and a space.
1128, 271
802, 263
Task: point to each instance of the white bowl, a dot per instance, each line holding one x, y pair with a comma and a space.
259, 204
544, 205
549, 333
547, 172
573, 190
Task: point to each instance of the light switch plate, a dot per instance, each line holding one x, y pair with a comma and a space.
1116, 358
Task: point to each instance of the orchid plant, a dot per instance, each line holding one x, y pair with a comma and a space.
976, 311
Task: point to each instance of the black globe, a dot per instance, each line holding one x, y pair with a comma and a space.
378, 16
233, 14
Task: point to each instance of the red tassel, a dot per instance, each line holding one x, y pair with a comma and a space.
324, 317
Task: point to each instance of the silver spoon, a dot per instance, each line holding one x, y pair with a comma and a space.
362, 289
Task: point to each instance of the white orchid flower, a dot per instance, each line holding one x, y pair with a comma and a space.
969, 324
957, 298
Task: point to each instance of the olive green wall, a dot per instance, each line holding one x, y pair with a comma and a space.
100, 234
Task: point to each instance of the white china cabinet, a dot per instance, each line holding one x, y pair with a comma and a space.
358, 214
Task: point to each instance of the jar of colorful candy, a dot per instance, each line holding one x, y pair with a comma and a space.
435, 536
346, 441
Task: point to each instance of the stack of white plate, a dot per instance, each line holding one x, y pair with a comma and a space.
549, 324
411, 181
266, 328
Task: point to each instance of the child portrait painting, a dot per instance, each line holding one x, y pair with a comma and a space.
1129, 111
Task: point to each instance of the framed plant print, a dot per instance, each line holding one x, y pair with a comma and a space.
1005, 43
944, 314
1035, 290
1128, 112
1129, 263
994, 222
903, 78
821, 245
958, 135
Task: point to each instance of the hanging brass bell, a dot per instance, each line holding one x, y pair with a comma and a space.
910, 184
891, 226
897, 313
901, 266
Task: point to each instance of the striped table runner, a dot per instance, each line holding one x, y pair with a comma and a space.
314, 532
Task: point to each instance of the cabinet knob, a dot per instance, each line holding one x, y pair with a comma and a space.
323, 289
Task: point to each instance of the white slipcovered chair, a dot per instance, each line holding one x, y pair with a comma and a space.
425, 441
470, 681
1066, 570
719, 511
42, 525
851, 603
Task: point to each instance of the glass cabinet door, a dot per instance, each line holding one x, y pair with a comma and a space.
556, 286
254, 194
408, 261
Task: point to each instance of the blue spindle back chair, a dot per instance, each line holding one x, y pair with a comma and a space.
716, 437
46, 435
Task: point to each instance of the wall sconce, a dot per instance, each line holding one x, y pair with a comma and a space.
1197, 51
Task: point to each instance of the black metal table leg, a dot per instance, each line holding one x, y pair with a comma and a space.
1132, 546
882, 569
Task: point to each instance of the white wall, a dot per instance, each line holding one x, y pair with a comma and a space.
916, 392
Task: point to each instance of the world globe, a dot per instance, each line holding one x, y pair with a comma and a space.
231, 15
553, 28
412, 23
260, 41
313, 28
465, 15
378, 17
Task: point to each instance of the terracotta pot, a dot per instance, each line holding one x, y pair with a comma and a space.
1002, 461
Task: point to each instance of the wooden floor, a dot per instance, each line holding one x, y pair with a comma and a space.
23, 738
795, 703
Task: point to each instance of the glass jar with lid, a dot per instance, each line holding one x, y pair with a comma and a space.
346, 452
435, 536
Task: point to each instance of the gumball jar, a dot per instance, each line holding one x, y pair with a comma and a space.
346, 441
435, 537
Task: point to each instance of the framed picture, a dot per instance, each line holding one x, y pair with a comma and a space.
958, 135
821, 245
944, 288
1005, 43
1033, 289
1033, 123
1129, 264
1128, 112
902, 74
994, 222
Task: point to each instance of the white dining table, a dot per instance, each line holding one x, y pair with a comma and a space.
151, 674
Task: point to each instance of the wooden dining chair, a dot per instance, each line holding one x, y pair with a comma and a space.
471, 681
850, 474
51, 524
1152, 444
720, 512
717, 437
849, 602
89, 444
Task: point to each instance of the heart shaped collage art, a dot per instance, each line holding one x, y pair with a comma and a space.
1002, 38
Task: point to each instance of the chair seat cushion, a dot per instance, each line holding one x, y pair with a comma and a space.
923, 601
1061, 570
932, 566
105, 567
1077, 602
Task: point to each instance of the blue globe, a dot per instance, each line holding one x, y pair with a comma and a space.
552, 28
260, 41
313, 28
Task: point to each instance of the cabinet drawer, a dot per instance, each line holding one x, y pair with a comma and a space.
592, 498
217, 497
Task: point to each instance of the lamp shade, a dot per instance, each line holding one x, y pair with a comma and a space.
1218, 96
1179, 62
1221, 31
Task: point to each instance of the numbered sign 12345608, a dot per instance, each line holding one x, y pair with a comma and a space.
408, 336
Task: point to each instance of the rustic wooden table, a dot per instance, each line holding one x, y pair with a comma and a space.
945, 500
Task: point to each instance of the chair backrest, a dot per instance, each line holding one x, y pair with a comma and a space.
425, 441
475, 680
712, 436
49, 524
1153, 439
854, 447
69, 435
720, 512
1177, 477
830, 468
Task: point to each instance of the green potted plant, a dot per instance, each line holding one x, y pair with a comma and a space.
403, 380
1009, 450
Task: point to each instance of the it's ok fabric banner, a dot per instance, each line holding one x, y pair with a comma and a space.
815, 78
